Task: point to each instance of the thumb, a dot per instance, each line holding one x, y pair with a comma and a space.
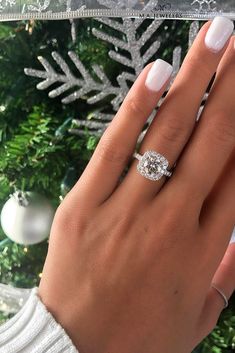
224, 279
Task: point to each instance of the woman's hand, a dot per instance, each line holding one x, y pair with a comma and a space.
130, 264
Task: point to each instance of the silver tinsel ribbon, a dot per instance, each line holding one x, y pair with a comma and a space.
67, 9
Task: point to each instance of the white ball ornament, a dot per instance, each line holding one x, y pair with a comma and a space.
26, 218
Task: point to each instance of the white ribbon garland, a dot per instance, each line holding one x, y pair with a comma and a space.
66, 9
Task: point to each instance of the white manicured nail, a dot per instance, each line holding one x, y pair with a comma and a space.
218, 33
158, 75
233, 237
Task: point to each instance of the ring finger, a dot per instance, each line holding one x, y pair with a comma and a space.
175, 120
118, 142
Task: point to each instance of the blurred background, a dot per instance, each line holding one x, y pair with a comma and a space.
61, 83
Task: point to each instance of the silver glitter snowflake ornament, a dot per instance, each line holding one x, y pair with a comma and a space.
6, 3
39, 6
128, 51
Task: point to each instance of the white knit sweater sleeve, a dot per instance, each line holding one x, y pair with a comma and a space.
34, 330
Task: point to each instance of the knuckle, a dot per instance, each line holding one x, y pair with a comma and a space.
134, 106
110, 151
198, 66
174, 129
62, 216
223, 129
68, 221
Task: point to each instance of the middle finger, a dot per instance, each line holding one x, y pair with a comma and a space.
171, 129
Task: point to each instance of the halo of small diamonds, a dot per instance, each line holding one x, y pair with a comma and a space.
153, 166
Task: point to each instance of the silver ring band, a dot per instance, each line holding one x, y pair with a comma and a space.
222, 295
152, 165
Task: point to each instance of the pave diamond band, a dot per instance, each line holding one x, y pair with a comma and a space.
152, 165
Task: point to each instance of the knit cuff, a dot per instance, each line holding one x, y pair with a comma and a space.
34, 330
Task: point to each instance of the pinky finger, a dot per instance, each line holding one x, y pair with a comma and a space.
224, 279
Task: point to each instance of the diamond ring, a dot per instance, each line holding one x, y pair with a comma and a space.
152, 165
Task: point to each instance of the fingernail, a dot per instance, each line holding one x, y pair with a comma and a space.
218, 33
233, 238
158, 75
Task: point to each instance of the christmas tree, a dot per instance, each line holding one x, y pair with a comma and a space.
46, 143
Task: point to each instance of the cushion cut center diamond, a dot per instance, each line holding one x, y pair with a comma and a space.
152, 165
